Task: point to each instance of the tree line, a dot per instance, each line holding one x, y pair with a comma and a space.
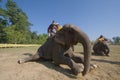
116, 40
15, 27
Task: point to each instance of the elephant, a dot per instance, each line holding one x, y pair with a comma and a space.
58, 49
101, 48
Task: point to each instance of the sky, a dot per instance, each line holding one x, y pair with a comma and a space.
94, 17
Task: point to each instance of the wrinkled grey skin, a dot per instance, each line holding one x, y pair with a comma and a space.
58, 49
101, 48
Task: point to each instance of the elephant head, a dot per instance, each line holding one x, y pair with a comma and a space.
71, 35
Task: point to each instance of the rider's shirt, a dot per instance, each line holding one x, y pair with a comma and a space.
101, 39
50, 28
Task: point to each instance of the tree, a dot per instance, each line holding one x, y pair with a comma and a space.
19, 21
42, 38
3, 24
116, 40
15, 27
17, 17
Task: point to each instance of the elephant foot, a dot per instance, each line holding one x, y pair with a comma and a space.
107, 55
78, 68
21, 61
93, 66
56, 64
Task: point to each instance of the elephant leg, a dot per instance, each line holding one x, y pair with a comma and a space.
77, 58
68, 61
106, 52
31, 58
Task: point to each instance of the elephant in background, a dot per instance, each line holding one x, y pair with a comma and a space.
101, 48
58, 49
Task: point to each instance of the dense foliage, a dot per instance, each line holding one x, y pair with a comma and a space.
15, 27
116, 40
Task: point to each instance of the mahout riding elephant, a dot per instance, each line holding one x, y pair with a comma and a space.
53, 28
58, 49
101, 48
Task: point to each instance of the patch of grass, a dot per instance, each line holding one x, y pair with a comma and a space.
115, 49
16, 45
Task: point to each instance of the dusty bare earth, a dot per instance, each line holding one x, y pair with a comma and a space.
108, 67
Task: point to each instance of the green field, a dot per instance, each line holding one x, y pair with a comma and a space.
16, 45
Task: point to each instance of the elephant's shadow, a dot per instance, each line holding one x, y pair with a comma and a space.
92, 53
107, 61
95, 54
49, 64
98, 54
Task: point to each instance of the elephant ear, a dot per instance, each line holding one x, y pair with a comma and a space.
65, 36
59, 40
71, 36
60, 37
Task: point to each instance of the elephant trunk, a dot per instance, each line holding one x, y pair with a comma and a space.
87, 51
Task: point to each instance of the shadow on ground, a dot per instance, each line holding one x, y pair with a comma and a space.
106, 61
29, 54
49, 64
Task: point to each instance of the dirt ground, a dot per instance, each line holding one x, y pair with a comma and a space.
108, 67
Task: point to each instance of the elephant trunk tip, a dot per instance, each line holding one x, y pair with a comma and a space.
85, 72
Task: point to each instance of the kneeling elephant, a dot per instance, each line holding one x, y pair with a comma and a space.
101, 48
58, 49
